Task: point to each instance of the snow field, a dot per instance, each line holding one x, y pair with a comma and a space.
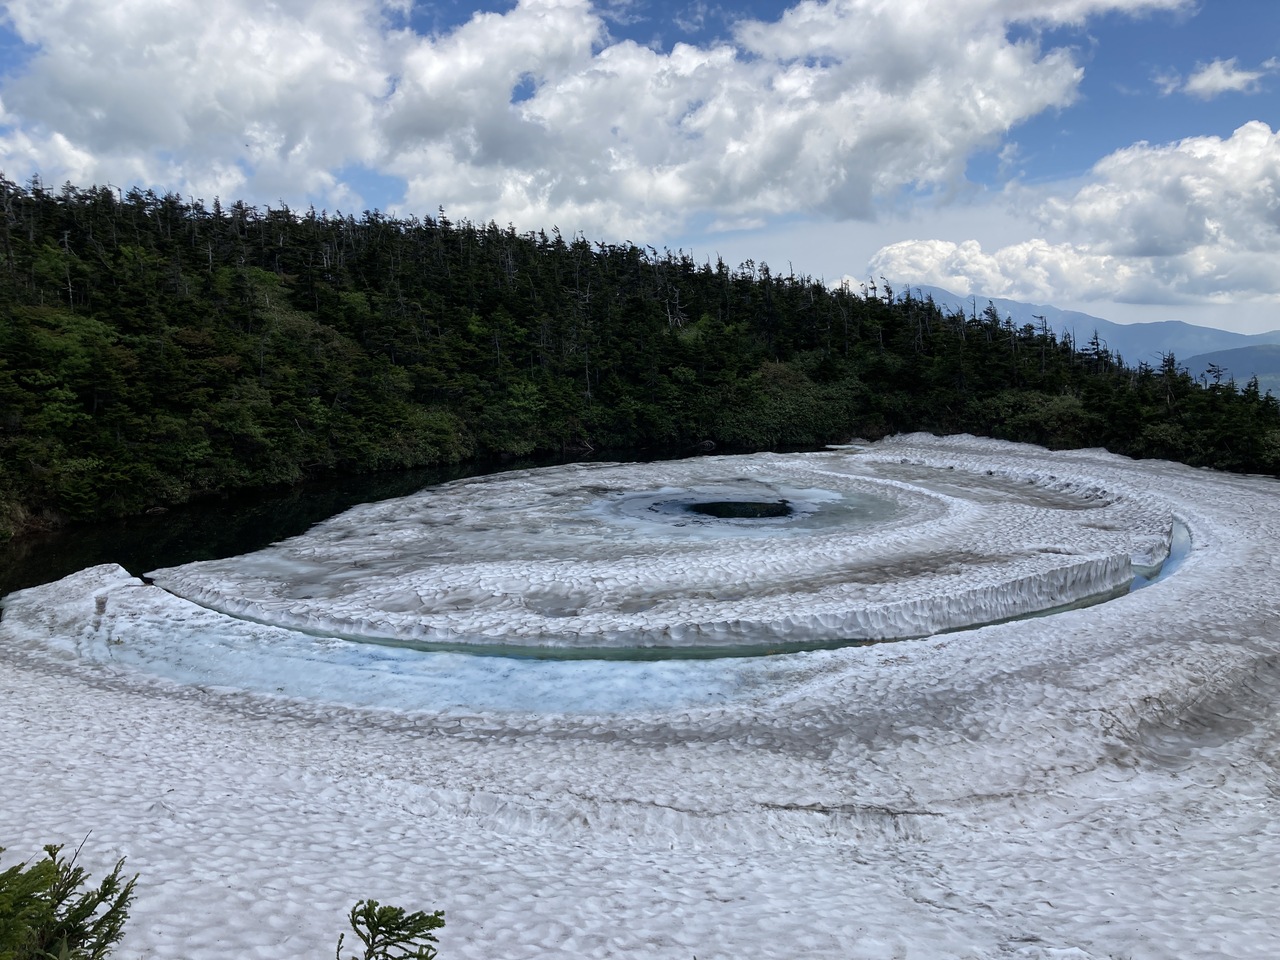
1100, 783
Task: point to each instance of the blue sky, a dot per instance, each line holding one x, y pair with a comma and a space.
1115, 156
1121, 98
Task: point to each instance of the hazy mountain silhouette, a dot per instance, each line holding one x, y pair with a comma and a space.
1135, 342
1261, 361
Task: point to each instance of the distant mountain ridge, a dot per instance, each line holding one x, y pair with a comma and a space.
1135, 342
1261, 361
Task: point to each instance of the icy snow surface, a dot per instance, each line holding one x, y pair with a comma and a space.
610, 558
1101, 782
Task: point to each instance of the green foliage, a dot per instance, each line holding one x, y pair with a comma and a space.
389, 933
44, 913
153, 350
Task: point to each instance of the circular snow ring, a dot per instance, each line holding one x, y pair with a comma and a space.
604, 559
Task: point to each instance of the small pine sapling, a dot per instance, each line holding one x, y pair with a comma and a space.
388, 933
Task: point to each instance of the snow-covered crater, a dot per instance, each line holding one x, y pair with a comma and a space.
713, 555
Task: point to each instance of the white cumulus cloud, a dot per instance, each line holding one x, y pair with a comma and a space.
1196, 220
217, 97
1218, 77
537, 115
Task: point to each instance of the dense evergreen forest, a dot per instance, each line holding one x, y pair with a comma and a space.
154, 349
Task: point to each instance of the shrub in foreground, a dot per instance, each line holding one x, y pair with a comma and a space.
45, 915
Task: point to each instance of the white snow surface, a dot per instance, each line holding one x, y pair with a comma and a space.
1098, 783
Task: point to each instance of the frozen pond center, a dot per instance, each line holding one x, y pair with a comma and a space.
711, 556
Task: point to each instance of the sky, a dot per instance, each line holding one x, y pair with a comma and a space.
1120, 157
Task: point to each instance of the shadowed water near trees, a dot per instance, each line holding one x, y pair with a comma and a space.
156, 349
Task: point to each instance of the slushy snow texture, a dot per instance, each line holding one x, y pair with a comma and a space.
609, 557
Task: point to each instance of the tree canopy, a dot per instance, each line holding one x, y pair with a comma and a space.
155, 348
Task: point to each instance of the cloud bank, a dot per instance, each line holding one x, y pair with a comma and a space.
1181, 223
542, 114
536, 115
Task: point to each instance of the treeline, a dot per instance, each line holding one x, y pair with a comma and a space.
154, 349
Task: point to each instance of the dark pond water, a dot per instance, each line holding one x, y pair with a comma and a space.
224, 527
741, 509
